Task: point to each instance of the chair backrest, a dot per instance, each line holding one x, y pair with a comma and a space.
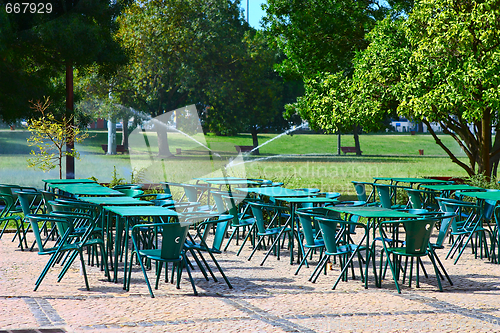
417, 235
8, 203
488, 208
220, 224
232, 208
328, 228
258, 213
415, 198
447, 220
34, 220
219, 202
384, 194
48, 196
306, 222
26, 200
360, 189
173, 239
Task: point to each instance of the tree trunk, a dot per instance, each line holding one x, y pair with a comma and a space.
255, 140
111, 137
125, 133
70, 145
163, 146
485, 166
356, 140
339, 143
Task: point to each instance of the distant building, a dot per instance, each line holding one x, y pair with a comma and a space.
404, 125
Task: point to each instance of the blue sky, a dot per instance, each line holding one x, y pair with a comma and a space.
256, 13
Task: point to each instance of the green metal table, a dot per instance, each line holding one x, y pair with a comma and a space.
373, 214
446, 190
105, 215
274, 192
294, 202
124, 216
411, 181
66, 181
87, 189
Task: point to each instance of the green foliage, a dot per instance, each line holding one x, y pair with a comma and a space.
320, 36
137, 176
116, 179
439, 63
480, 180
49, 135
37, 49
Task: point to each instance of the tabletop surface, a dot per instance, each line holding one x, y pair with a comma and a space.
275, 191
421, 180
87, 189
116, 201
413, 180
372, 212
451, 187
307, 199
490, 195
231, 182
68, 181
127, 211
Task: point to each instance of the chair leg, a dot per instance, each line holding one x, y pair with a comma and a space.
245, 240
189, 274
304, 260
431, 256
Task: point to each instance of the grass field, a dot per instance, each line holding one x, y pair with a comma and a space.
313, 163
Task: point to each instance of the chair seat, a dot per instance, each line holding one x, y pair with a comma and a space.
343, 249
273, 231
317, 243
155, 254
245, 222
402, 252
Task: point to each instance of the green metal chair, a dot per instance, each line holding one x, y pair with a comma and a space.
172, 238
7, 202
446, 220
30, 206
270, 227
242, 220
361, 193
312, 243
416, 245
468, 223
69, 243
421, 199
387, 196
198, 244
339, 244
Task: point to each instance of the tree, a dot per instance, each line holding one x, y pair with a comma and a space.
178, 50
438, 64
251, 97
74, 34
319, 37
50, 135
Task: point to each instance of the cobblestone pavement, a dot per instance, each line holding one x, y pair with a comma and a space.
267, 298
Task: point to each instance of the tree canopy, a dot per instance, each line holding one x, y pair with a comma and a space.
37, 48
438, 64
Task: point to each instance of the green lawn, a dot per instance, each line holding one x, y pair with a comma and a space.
384, 155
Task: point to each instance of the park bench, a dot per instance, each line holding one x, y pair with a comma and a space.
243, 149
119, 149
346, 150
